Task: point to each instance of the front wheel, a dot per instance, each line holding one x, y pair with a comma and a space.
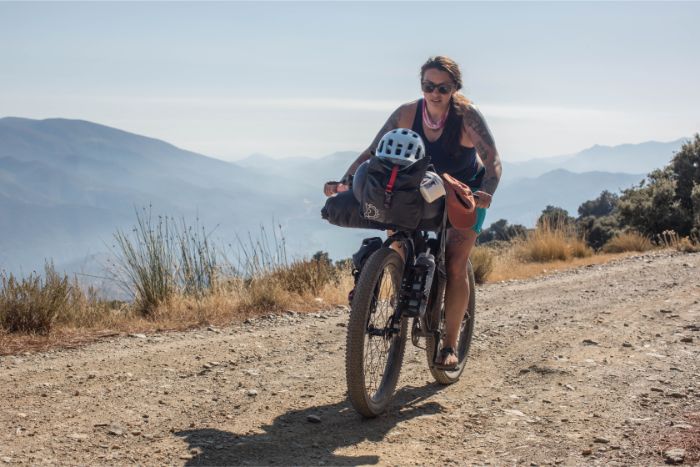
463, 342
375, 349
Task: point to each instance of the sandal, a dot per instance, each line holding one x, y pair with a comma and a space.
444, 353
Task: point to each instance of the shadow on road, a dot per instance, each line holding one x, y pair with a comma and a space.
292, 439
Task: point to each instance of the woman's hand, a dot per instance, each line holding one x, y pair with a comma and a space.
331, 188
483, 199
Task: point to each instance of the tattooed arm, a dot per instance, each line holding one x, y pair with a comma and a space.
480, 135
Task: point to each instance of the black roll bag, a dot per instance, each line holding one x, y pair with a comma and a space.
375, 203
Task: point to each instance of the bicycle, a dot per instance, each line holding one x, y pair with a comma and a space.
390, 291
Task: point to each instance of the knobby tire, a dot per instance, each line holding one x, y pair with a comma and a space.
370, 393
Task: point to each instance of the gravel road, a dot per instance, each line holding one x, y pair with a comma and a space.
597, 365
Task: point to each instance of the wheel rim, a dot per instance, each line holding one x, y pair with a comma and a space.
378, 348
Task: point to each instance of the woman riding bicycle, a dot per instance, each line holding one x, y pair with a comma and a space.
459, 143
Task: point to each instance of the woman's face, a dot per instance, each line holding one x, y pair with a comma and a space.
438, 87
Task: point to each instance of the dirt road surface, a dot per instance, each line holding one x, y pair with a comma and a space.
595, 366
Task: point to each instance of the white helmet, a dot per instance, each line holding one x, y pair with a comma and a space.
402, 145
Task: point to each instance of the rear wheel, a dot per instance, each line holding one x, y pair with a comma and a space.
465, 336
374, 352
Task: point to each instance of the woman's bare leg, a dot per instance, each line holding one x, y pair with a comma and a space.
396, 246
458, 249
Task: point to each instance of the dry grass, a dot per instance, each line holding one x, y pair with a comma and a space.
236, 299
670, 239
261, 282
177, 279
547, 249
628, 241
482, 262
508, 267
551, 242
32, 304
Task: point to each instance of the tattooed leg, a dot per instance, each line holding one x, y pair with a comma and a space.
458, 249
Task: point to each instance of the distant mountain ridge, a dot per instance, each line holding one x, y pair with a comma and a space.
521, 201
640, 158
96, 176
67, 185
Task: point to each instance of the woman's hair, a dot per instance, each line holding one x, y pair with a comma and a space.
453, 125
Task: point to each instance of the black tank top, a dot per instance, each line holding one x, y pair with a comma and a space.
465, 166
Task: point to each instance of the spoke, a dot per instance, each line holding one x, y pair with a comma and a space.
377, 347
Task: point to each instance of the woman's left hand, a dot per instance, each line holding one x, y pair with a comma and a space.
483, 200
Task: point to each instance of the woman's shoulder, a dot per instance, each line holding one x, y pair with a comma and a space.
407, 113
471, 112
409, 106
465, 106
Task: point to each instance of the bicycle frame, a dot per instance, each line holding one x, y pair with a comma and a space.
414, 243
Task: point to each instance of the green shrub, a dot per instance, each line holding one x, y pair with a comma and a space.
602, 206
554, 217
598, 230
501, 231
669, 199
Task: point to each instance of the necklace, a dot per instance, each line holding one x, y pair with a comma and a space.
427, 121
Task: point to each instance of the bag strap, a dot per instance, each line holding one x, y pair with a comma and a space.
388, 192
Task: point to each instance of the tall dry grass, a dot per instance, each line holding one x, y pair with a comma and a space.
628, 241
161, 258
671, 239
551, 242
482, 259
177, 277
32, 304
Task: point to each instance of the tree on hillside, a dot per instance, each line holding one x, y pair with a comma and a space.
603, 205
598, 221
685, 169
322, 258
597, 230
501, 231
669, 199
555, 216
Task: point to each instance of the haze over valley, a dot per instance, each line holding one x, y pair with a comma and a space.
66, 186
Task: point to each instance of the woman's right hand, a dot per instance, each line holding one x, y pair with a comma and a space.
331, 188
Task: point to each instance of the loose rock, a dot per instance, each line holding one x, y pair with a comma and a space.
674, 456
115, 430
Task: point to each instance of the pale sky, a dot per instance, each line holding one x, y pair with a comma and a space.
309, 79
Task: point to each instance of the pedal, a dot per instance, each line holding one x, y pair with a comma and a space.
416, 334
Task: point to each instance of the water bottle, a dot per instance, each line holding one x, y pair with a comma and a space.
425, 262
431, 187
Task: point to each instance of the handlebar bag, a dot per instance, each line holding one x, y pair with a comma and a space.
391, 193
343, 210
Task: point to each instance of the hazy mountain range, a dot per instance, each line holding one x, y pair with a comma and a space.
67, 185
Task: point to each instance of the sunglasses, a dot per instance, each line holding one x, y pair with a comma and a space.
429, 87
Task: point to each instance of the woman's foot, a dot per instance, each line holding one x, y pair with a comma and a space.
447, 359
